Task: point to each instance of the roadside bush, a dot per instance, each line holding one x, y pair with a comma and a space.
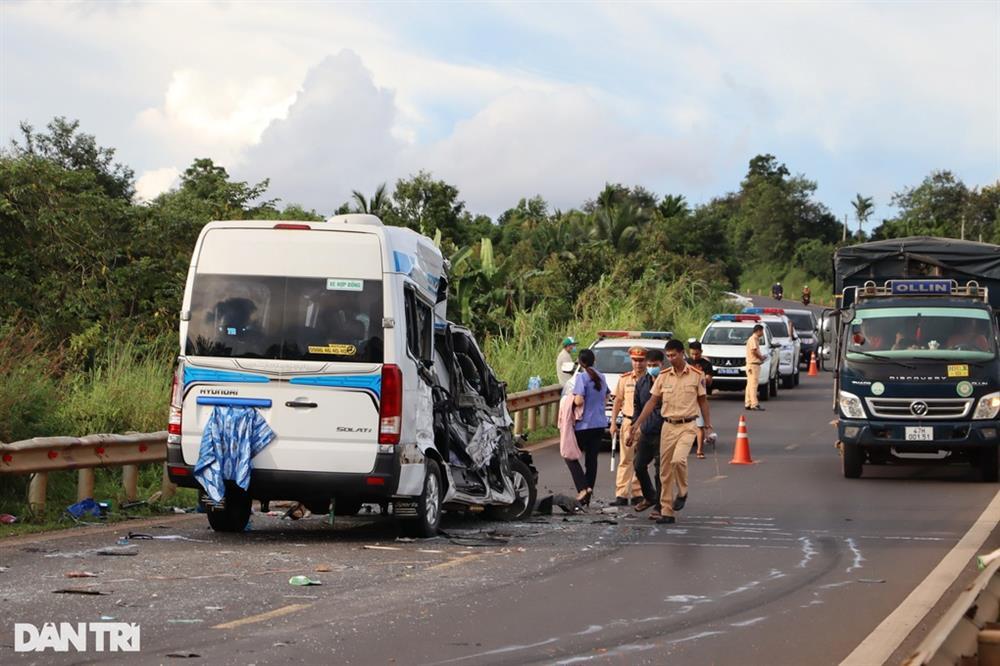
30, 386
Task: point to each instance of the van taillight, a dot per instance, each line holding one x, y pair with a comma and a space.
285, 225
176, 404
390, 412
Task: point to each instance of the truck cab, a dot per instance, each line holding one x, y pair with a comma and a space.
913, 338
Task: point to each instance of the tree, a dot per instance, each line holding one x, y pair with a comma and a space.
374, 206
933, 208
863, 208
619, 225
76, 151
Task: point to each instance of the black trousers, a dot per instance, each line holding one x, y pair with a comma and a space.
590, 443
648, 451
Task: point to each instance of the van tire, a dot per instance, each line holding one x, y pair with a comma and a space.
425, 525
236, 514
798, 375
854, 459
525, 491
788, 381
773, 387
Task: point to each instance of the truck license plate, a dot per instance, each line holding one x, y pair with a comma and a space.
919, 434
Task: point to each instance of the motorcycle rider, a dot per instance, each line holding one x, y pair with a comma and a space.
806, 295
777, 291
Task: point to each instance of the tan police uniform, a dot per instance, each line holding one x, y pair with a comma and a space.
679, 393
753, 372
626, 484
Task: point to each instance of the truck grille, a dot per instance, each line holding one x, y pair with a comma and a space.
919, 408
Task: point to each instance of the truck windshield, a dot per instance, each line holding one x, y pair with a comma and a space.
930, 332
727, 335
290, 318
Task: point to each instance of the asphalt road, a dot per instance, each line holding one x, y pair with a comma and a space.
781, 562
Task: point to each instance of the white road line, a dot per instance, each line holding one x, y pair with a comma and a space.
894, 629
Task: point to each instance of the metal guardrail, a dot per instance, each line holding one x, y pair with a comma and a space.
42, 455
968, 632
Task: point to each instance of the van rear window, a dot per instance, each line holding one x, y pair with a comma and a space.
290, 318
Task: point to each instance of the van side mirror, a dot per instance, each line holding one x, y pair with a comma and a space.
568, 367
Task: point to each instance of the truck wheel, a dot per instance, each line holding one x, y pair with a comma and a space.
525, 493
425, 525
988, 460
854, 459
235, 514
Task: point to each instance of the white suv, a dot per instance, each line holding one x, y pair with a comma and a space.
724, 344
783, 332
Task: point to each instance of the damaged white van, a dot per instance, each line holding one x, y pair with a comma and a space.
316, 364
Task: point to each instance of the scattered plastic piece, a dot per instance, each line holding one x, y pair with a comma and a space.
122, 541
184, 621
184, 655
303, 580
81, 574
85, 507
214, 608
118, 550
323, 568
163, 537
4, 569
108, 618
7, 519
405, 539
871, 580
370, 547
78, 590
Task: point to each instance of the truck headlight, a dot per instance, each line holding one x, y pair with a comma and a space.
850, 406
988, 407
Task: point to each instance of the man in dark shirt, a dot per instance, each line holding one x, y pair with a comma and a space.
705, 366
649, 443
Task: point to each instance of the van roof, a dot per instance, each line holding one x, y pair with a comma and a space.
404, 250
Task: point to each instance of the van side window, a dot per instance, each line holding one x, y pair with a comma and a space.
419, 325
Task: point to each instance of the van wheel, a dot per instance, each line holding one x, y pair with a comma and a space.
798, 375
525, 494
854, 459
788, 381
988, 460
235, 514
772, 387
425, 525
764, 392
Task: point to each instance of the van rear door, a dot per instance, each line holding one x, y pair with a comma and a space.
289, 322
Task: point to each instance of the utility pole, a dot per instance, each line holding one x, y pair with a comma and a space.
845, 228
963, 227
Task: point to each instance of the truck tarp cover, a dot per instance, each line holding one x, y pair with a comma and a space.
910, 257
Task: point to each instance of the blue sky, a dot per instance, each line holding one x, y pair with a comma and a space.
511, 100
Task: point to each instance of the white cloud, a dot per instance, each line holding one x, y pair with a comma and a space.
151, 184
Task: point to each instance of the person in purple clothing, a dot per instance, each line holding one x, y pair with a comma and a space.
591, 392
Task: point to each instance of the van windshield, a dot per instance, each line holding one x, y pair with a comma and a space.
289, 318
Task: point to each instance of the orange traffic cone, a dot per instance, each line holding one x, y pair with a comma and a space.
813, 371
741, 453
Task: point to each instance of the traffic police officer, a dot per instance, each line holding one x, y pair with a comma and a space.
754, 359
679, 392
626, 485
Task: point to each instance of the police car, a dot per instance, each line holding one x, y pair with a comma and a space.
724, 343
611, 354
783, 332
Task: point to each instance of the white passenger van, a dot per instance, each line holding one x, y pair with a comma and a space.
336, 333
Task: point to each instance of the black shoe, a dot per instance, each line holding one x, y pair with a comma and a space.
679, 502
758, 408
666, 520
620, 501
637, 500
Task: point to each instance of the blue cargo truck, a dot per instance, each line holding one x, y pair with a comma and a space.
914, 344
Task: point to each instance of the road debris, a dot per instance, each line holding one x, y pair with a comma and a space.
303, 580
323, 568
185, 621
567, 504
871, 580
164, 537
214, 608
7, 519
79, 590
85, 507
371, 547
118, 550
184, 655
108, 618
81, 574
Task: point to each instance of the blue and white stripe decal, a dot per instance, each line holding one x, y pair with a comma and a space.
233, 402
210, 375
371, 383
407, 264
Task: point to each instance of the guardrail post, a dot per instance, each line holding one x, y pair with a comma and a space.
543, 416
532, 419
518, 423
167, 489
553, 414
85, 483
130, 481
36, 491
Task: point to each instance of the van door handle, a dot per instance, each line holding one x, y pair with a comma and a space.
296, 403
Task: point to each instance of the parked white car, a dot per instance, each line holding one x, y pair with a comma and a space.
724, 344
